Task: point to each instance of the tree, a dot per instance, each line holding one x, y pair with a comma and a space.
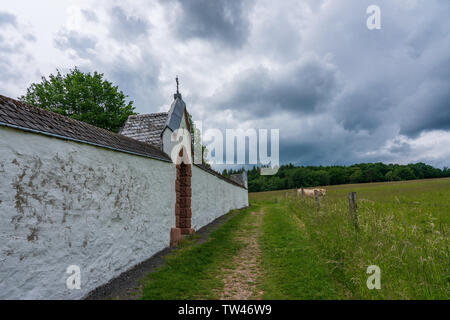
357, 176
404, 173
337, 175
321, 178
82, 96
196, 137
390, 176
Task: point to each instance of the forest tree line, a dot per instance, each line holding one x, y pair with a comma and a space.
290, 176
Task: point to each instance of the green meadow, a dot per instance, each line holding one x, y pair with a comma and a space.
318, 253
306, 252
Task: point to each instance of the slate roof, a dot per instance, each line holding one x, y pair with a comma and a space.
146, 127
218, 175
176, 112
22, 116
149, 127
240, 178
16, 114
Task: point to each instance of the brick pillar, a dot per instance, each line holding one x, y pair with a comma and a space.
183, 204
183, 212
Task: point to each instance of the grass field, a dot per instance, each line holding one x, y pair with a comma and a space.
404, 229
305, 253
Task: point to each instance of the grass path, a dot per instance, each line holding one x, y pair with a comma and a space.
194, 271
284, 248
291, 266
260, 253
240, 281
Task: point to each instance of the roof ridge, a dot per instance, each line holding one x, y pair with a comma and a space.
217, 174
148, 114
16, 104
57, 115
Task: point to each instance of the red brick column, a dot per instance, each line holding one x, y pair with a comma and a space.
183, 212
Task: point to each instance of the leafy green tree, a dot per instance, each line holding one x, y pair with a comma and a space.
321, 178
404, 173
289, 176
196, 138
337, 176
357, 176
391, 176
82, 96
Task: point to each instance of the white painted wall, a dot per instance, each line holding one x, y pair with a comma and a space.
167, 142
213, 197
65, 203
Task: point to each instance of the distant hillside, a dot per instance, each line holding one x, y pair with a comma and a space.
290, 176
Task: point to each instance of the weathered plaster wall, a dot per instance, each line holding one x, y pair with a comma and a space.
167, 142
213, 197
65, 203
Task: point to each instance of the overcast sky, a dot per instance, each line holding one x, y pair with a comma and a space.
338, 92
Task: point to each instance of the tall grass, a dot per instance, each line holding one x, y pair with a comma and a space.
192, 272
404, 229
291, 268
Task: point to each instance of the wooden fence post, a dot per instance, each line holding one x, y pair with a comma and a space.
303, 193
316, 196
352, 207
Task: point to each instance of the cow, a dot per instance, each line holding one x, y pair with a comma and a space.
310, 192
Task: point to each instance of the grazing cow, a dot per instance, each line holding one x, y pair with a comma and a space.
322, 192
310, 192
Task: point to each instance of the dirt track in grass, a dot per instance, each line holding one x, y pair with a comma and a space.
241, 277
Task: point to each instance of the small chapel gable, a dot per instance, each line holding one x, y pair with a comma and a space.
157, 129
177, 119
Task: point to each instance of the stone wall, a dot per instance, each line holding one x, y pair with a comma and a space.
65, 203
212, 197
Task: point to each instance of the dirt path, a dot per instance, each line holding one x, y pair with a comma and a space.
241, 278
127, 286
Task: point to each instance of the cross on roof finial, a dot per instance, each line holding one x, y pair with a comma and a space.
178, 84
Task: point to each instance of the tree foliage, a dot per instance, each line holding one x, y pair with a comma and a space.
290, 177
196, 140
82, 96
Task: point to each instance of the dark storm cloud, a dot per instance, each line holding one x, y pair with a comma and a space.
78, 42
428, 109
305, 153
364, 108
301, 88
344, 94
400, 147
139, 83
127, 28
7, 19
222, 21
398, 76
